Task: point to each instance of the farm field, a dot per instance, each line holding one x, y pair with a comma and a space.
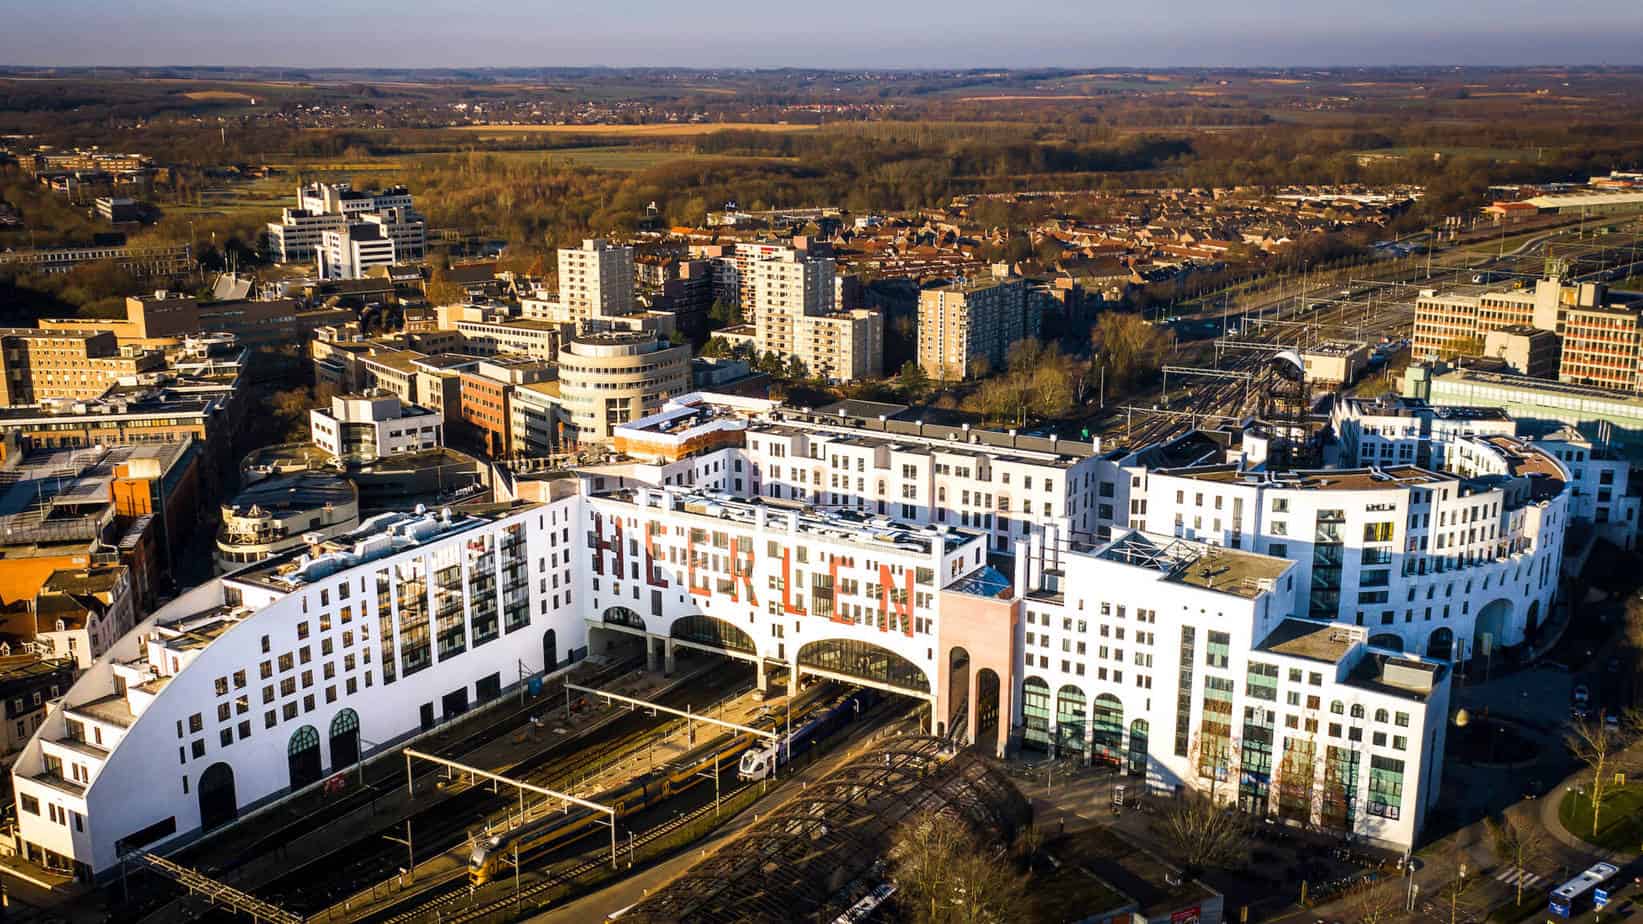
656, 130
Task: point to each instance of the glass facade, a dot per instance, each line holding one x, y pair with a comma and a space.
415, 652
1183, 693
705, 630
867, 662
1070, 716
1035, 714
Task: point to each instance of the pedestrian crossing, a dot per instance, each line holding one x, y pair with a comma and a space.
1511, 876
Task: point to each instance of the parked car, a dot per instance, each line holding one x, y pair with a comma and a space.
1582, 694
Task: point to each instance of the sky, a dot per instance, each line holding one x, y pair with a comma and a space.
832, 33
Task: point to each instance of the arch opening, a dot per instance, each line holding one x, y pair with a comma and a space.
303, 758
1070, 717
345, 739
218, 803
864, 661
714, 633
1109, 729
1035, 714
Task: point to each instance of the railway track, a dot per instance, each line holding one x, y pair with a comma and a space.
454, 820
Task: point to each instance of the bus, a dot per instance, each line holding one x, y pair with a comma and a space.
1573, 897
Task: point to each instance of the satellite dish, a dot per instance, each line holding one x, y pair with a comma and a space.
1288, 364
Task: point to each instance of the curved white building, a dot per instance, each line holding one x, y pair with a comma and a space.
1453, 563
263, 682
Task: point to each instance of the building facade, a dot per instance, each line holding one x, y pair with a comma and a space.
965, 328
611, 378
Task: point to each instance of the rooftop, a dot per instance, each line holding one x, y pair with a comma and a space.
1315, 641
1345, 479
840, 526
294, 492
1197, 564
379, 536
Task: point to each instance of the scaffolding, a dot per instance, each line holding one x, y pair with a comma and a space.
816, 856
218, 893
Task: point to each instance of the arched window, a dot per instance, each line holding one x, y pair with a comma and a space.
1357, 710
1337, 707
1381, 715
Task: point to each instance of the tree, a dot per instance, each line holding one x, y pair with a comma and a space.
1456, 896
913, 378
1128, 347
1515, 845
716, 347
1202, 833
1375, 902
725, 313
945, 873
1595, 745
441, 290
796, 370
291, 410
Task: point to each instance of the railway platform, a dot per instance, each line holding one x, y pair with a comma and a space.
380, 900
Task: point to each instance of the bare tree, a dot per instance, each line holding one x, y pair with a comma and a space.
1595, 745
1457, 896
1375, 902
948, 875
1203, 833
1516, 845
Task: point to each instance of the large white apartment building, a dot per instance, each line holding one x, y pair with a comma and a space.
1283, 640
1450, 563
262, 682
1179, 661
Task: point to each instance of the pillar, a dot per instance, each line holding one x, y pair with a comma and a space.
652, 660
762, 681
668, 657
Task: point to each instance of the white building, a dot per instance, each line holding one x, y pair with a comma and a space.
263, 682
365, 428
1389, 430
595, 281
347, 252
1452, 564
1178, 661
299, 235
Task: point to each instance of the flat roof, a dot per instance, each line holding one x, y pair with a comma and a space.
1198, 564
1315, 641
1346, 479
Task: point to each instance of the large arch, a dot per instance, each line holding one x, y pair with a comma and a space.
1532, 620
1109, 730
958, 692
1492, 622
1441, 643
1035, 713
712, 633
987, 700
623, 616
1387, 640
344, 739
1139, 730
218, 803
865, 661
1071, 715
303, 758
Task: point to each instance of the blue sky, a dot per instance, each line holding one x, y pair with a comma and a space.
839, 33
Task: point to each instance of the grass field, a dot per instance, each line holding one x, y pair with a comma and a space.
658, 130
1622, 821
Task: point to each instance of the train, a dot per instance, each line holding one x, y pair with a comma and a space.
761, 762
492, 854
